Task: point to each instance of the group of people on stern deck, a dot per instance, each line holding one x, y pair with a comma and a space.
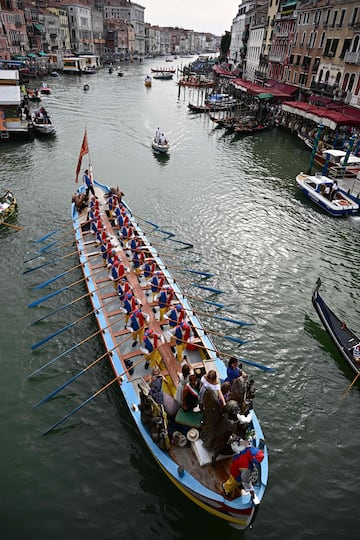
197, 390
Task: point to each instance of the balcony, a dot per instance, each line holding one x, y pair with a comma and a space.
276, 58
352, 57
324, 89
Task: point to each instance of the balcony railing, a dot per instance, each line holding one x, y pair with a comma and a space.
276, 58
324, 89
352, 57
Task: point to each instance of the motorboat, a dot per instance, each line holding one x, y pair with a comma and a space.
162, 148
163, 76
320, 189
42, 122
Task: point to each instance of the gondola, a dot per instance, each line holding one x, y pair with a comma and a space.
176, 439
346, 341
7, 206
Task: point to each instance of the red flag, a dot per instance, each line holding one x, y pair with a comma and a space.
83, 151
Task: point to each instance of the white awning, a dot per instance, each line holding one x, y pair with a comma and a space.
10, 95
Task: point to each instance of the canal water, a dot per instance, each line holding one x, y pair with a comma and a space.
236, 201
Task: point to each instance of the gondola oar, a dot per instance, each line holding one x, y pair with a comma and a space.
46, 236
230, 338
61, 387
226, 319
215, 291
58, 291
75, 346
216, 304
51, 280
51, 262
16, 227
46, 252
70, 325
350, 385
117, 378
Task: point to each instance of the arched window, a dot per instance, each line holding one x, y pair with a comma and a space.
357, 91
355, 44
321, 44
345, 81
327, 75
338, 77
351, 82
321, 75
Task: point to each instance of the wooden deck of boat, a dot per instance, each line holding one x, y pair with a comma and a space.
208, 475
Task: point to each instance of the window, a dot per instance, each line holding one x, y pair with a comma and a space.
351, 82
346, 47
322, 39
334, 19
354, 16
342, 16
355, 44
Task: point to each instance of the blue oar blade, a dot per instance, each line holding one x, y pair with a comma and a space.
215, 291
46, 283
255, 364
46, 236
59, 388
45, 248
234, 321
51, 313
236, 340
166, 232
216, 304
40, 266
52, 361
181, 242
69, 414
205, 274
51, 336
47, 297
152, 224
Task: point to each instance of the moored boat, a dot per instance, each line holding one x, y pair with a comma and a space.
42, 122
319, 189
193, 452
7, 206
163, 70
163, 76
346, 341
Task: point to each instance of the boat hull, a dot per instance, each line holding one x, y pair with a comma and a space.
238, 512
8, 202
162, 148
340, 205
343, 337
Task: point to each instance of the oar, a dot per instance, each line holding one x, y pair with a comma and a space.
57, 390
227, 319
51, 280
230, 338
66, 225
46, 236
16, 227
52, 261
75, 346
216, 304
93, 396
68, 304
350, 385
70, 325
38, 254
58, 291
215, 291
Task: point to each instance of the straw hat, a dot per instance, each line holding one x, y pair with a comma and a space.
192, 435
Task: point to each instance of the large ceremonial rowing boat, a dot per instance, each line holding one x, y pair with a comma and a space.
192, 448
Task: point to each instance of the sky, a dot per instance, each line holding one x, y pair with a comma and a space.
199, 15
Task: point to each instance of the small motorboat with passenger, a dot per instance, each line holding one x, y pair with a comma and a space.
319, 189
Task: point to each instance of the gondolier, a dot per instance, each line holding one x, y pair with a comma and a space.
88, 181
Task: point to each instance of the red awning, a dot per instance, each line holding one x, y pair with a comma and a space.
224, 72
329, 117
255, 89
284, 88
